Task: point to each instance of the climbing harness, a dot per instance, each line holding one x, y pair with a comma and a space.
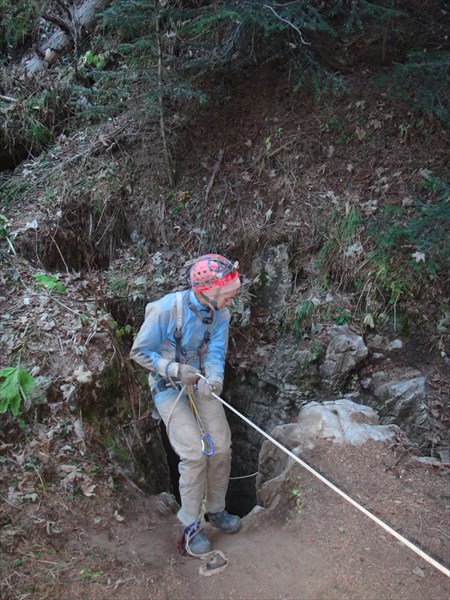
378, 521
216, 560
205, 320
178, 334
206, 442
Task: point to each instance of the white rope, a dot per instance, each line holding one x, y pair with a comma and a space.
379, 522
244, 476
173, 407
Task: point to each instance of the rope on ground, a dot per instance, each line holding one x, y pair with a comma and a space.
378, 521
216, 561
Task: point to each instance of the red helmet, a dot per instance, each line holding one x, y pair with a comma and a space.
212, 271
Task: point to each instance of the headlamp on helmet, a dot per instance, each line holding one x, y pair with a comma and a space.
212, 271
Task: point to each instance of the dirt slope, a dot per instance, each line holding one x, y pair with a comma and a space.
71, 526
121, 543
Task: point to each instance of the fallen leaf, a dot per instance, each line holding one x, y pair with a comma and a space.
83, 375
88, 488
418, 256
360, 133
354, 250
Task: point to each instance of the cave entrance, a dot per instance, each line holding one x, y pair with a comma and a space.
241, 495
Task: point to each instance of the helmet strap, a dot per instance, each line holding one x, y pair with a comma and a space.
209, 301
205, 320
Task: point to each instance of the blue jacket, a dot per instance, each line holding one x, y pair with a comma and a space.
154, 347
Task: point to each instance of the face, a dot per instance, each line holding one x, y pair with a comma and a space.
219, 298
225, 299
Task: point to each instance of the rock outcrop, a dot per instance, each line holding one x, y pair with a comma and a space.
345, 351
340, 421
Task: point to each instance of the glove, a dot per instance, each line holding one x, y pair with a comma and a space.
206, 388
185, 373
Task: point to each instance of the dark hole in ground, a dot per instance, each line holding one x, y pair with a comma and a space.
172, 461
241, 496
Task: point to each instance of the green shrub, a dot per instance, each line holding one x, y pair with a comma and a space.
17, 21
424, 229
423, 80
15, 385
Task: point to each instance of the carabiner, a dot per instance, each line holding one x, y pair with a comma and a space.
208, 448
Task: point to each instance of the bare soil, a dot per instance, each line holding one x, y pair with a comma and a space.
122, 543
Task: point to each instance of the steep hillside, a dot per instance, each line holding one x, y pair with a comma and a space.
337, 209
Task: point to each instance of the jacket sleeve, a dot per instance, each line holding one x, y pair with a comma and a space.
214, 359
151, 336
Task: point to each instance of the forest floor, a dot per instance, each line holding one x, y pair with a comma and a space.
120, 543
72, 525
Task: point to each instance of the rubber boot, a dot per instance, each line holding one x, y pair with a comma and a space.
224, 521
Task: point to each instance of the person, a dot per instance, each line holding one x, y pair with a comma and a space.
184, 334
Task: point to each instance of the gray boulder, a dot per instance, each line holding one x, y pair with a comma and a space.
340, 421
400, 397
292, 363
345, 350
274, 276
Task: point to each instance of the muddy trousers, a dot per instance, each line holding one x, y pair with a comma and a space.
201, 476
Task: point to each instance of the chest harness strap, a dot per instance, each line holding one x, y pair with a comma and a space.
205, 439
177, 334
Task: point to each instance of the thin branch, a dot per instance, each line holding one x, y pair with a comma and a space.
59, 23
13, 505
61, 254
214, 173
75, 312
7, 99
290, 25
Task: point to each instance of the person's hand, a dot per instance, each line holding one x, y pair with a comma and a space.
212, 386
185, 373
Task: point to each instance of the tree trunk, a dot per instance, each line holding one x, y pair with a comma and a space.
83, 19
